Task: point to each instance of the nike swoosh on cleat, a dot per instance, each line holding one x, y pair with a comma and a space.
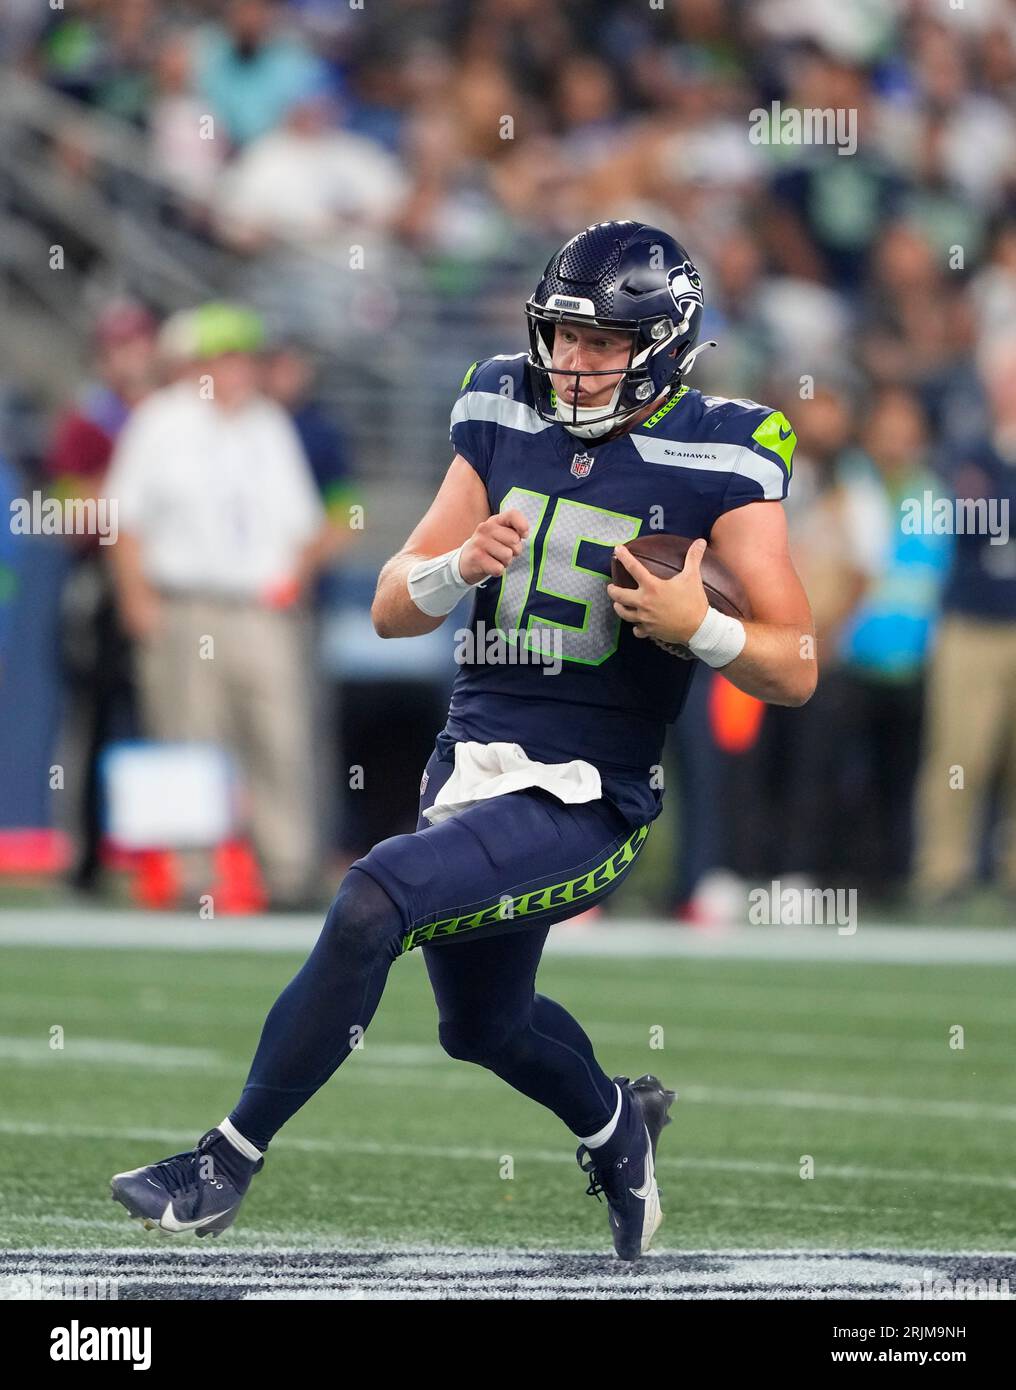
169, 1222
644, 1191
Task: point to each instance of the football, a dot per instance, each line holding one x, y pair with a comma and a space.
664, 556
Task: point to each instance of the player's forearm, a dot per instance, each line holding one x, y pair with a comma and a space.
393, 612
777, 664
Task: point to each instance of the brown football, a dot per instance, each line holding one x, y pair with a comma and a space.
664, 556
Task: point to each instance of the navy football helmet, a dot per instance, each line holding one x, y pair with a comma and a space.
617, 275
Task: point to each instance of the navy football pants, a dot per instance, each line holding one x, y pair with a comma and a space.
478, 893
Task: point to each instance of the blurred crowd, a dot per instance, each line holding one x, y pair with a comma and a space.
870, 295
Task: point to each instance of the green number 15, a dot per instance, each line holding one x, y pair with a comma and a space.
557, 573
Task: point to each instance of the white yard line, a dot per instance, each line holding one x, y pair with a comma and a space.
380, 1271
401, 1066
467, 1154
844, 1046
618, 937
123, 1052
858, 1105
483, 1256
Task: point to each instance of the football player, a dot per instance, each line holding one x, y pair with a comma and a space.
540, 791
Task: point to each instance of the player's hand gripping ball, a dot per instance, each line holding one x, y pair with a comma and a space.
664, 584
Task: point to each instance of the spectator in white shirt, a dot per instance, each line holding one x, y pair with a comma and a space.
221, 529
308, 183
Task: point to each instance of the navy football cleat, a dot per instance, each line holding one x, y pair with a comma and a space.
628, 1176
198, 1191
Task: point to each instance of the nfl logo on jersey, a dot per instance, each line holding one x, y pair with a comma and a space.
581, 464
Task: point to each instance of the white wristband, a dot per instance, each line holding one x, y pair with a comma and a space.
718, 639
436, 585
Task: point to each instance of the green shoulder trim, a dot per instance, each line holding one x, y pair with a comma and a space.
775, 433
663, 410
469, 376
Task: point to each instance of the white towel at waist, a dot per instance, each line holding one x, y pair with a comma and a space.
492, 769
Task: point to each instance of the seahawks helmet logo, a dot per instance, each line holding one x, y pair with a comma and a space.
685, 285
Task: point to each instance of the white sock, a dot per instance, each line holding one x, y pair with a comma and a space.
238, 1142
602, 1135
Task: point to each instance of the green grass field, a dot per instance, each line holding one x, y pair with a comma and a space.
848, 1063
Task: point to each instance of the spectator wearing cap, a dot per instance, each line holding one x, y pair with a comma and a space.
221, 532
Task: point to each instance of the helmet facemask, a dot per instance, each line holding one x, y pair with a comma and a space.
647, 374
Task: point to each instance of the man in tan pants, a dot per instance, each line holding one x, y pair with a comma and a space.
971, 710
971, 715
220, 531
236, 675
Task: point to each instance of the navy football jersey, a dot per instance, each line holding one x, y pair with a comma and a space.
546, 662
